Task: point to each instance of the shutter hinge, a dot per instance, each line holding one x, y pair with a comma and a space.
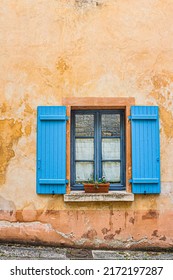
129, 118
39, 163
130, 181
67, 118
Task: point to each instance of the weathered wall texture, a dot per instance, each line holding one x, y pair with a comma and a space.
83, 48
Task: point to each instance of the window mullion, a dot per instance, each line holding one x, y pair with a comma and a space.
95, 146
73, 157
122, 149
99, 146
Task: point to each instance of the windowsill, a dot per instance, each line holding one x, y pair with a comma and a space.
81, 196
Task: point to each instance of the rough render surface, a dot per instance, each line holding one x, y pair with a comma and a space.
82, 48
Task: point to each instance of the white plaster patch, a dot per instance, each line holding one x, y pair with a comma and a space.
166, 187
6, 205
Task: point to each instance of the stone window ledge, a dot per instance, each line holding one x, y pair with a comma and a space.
81, 196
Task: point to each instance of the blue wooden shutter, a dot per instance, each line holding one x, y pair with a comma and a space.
51, 149
145, 149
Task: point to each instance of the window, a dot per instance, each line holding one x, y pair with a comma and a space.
98, 147
118, 142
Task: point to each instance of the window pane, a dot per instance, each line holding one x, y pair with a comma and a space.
84, 125
110, 125
84, 149
111, 171
110, 149
84, 171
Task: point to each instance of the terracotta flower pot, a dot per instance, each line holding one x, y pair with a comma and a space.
96, 188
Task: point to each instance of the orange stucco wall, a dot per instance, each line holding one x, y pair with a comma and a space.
51, 50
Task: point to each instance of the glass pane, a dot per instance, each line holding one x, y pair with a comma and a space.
110, 125
110, 149
84, 171
84, 125
111, 171
84, 149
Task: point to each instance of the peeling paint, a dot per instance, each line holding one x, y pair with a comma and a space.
105, 231
162, 80
62, 66
59, 228
163, 238
118, 231
167, 121
28, 128
151, 214
28, 109
131, 220
109, 237
3, 108
162, 85
88, 3
10, 132
155, 233
91, 234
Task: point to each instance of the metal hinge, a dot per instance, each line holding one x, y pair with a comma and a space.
39, 163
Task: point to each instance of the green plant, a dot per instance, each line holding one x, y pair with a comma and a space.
96, 182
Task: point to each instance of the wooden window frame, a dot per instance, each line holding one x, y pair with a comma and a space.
97, 147
88, 103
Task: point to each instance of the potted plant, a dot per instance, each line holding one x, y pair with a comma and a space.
97, 186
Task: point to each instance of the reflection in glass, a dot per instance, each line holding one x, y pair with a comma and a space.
84, 171
111, 171
110, 125
84, 125
85, 149
110, 148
